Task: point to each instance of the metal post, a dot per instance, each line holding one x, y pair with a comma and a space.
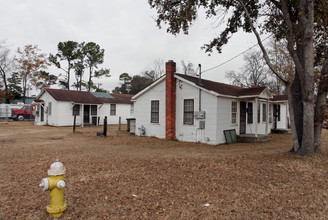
82, 115
119, 123
74, 123
105, 126
200, 91
267, 117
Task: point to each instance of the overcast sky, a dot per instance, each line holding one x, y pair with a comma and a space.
124, 28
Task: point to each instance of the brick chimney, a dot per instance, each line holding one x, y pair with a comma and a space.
170, 97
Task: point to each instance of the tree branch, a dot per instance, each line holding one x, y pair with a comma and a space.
259, 41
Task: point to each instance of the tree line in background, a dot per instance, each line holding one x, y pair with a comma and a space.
26, 68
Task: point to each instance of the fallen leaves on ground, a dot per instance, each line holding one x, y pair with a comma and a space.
127, 177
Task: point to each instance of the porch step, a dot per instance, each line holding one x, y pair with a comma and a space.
252, 139
280, 131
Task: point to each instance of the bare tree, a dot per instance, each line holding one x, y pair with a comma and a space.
188, 68
7, 64
155, 70
30, 62
283, 64
253, 73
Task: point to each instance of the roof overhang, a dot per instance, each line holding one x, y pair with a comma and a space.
38, 101
40, 94
202, 88
279, 101
265, 94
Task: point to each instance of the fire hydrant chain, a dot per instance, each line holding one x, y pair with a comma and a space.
55, 183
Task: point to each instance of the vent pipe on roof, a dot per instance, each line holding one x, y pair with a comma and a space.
200, 83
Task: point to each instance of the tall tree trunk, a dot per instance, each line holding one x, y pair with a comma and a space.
68, 73
320, 105
90, 77
24, 81
80, 85
295, 112
308, 97
300, 46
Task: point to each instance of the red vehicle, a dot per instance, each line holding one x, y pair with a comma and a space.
325, 123
26, 112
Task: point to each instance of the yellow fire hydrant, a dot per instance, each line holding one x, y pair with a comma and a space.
55, 183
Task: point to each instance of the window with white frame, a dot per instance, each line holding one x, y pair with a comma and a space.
154, 116
93, 110
188, 112
264, 112
233, 112
76, 110
131, 109
49, 108
112, 109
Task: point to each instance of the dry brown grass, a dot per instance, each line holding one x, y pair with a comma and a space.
124, 176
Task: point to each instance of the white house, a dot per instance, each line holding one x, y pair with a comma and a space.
185, 108
120, 108
58, 107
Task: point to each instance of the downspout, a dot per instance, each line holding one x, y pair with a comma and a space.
267, 117
47, 114
287, 118
82, 115
200, 91
256, 116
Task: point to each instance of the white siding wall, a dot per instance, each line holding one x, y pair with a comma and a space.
284, 116
61, 113
122, 110
103, 110
142, 111
224, 118
64, 115
192, 133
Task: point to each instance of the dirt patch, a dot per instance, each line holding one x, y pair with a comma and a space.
7, 141
124, 176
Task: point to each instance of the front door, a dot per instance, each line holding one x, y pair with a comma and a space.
242, 129
86, 114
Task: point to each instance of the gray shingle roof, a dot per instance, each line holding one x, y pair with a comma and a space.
222, 88
84, 97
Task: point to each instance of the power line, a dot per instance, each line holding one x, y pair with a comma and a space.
221, 64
